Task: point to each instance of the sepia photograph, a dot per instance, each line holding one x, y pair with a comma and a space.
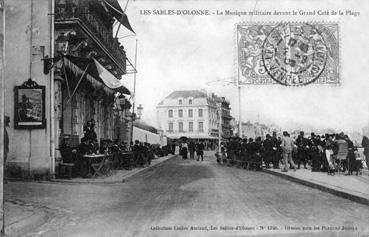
190, 118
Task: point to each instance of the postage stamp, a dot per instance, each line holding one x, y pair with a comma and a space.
288, 53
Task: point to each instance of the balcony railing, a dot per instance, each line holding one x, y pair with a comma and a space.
73, 12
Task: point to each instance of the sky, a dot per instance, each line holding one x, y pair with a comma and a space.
184, 52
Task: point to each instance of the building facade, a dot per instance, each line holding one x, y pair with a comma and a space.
254, 130
143, 132
194, 114
67, 48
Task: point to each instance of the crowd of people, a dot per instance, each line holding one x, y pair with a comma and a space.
326, 153
191, 147
124, 156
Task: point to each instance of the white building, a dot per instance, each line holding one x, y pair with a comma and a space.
146, 133
193, 114
254, 130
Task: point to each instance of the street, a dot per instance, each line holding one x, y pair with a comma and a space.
177, 195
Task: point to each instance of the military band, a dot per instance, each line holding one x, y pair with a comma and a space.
315, 150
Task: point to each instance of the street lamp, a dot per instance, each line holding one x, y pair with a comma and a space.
139, 111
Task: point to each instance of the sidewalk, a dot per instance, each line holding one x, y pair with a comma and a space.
355, 188
20, 218
118, 176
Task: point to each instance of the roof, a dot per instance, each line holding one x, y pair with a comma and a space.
144, 126
186, 94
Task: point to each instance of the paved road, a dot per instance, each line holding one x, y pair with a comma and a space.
178, 194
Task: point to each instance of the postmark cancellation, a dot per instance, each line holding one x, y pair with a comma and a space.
288, 53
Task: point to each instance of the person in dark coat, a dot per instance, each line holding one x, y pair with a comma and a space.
365, 145
200, 151
136, 150
302, 152
191, 148
81, 163
351, 157
244, 152
89, 131
313, 144
250, 150
184, 150
268, 151
173, 148
277, 150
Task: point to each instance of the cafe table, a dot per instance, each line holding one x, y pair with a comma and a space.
97, 162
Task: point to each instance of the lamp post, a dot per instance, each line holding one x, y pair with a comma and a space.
139, 111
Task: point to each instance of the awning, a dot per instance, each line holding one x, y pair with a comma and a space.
110, 80
117, 12
96, 73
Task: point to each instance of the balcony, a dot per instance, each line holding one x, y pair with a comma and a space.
100, 31
226, 116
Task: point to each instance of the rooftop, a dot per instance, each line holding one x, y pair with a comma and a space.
185, 94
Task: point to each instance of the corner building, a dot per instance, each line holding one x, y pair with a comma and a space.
67, 46
194, 114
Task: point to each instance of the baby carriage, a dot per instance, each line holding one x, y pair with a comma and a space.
337, 161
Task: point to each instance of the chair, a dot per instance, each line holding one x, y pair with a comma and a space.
103, 167
66, 170
67, 165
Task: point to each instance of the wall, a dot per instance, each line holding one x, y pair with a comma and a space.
146, 136
29, 149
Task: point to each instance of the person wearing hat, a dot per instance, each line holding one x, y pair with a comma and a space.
192, 148
287, 147
314, 142
277, 150
268, 151
302, 150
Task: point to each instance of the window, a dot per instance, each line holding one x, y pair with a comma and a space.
190, 126
180, 126
170, 113
190, 101
200, 112
180, 102
201, 126
190, 113
170, 127
180, 113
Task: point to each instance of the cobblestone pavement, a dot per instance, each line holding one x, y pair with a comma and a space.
213, 199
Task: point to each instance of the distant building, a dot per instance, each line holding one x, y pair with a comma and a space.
254, 130
144, 132
194, 114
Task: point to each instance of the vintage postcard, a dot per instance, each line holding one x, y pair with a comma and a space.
184, 118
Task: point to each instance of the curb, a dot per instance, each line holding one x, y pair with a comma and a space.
323, 188
122, 179
20, 228
87, 181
